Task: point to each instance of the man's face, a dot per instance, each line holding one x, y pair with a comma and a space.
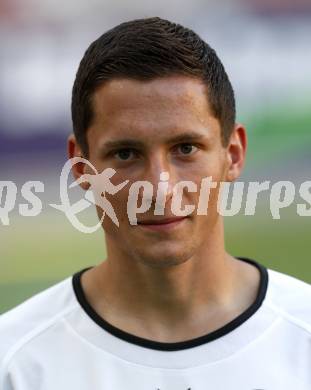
151, 115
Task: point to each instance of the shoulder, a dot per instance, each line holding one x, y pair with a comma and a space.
291, 298
21, 325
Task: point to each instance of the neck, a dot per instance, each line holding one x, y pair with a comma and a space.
206, 277
151, 301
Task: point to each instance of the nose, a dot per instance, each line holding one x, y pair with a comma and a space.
160, 173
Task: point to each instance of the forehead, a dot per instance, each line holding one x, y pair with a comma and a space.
152, 108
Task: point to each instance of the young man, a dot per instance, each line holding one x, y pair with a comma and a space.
169, 308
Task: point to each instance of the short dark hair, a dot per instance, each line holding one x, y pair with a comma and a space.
145, 49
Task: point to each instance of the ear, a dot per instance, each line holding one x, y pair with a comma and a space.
78, 169
236, 152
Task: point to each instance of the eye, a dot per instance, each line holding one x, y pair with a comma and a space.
187, 149
124, 154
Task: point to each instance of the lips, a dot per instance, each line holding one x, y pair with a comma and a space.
159, 221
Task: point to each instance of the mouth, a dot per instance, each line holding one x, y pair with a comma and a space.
161, 224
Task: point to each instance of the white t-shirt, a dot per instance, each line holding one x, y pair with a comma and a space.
55, 341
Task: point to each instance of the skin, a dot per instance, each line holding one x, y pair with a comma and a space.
180, 284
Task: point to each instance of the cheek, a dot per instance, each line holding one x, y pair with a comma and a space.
206, 196
212, 163
119, 203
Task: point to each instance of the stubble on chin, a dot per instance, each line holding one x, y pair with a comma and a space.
162, 256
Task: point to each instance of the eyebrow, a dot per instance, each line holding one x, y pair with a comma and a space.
134, 143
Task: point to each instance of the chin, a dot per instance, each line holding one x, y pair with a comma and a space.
165, 256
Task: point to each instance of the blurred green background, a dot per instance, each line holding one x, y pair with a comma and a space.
46, 249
